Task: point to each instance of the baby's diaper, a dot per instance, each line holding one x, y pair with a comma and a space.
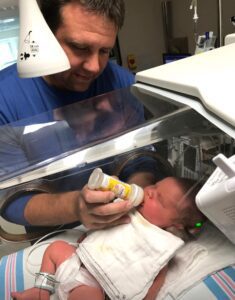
71, 274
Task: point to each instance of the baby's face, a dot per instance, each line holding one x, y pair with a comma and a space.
162, 202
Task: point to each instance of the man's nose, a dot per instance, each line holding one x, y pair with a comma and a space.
92, 63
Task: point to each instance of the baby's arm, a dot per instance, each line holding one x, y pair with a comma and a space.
56, 253
157, 284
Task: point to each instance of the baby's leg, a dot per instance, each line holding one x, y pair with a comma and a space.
33, 293
83, 292
56, 253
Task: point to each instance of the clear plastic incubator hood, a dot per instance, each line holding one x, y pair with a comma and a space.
189, 119
205, 83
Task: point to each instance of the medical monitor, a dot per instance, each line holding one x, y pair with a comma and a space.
170, 57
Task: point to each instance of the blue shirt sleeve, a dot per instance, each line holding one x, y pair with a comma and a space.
14, 211
21, 99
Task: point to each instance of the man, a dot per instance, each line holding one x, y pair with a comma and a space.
87, 31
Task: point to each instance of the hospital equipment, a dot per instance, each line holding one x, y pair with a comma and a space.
205, 42
190, 120
46, 281
205, 83
193, 6
233, 20
189, 111
216, 198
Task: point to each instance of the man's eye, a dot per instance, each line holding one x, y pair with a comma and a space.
82, 49
76, 47
105, 51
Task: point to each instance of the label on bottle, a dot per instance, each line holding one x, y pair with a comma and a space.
120, 189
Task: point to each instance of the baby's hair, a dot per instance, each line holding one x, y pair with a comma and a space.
190, 215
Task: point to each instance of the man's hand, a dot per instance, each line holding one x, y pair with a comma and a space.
95, 211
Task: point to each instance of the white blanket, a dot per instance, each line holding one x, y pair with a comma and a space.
126, 259
211, 252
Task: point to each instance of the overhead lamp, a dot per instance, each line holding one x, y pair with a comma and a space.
39, 51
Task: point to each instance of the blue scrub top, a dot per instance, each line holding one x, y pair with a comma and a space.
20, 99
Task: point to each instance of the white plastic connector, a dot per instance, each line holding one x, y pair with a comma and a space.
225, 165
229, 39
195, 16
194, 6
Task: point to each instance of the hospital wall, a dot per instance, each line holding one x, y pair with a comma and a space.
143, 31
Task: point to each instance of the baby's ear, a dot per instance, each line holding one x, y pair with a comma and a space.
194, 230
178, 226
180, 232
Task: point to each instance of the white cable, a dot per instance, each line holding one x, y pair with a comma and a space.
195, 19
40, 244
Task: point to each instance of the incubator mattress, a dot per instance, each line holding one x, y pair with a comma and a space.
16, 274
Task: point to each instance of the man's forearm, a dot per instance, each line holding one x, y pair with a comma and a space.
52, 209
92, 208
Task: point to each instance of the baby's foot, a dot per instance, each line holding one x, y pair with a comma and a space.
31, 294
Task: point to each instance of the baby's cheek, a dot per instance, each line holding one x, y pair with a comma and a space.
144, 211
148, 214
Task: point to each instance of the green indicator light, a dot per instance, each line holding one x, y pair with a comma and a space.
198, 224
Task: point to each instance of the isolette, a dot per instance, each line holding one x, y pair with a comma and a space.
189, 112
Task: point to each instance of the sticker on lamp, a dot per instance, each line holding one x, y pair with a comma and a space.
31, 47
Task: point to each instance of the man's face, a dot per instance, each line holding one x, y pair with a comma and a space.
162, 203
87, 40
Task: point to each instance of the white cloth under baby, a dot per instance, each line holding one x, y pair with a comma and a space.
211, 252
71, 274
126, 259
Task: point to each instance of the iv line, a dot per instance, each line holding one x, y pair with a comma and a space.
195, 19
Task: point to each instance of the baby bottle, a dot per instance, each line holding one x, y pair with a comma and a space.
103, 182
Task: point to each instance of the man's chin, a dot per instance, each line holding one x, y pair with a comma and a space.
80, 87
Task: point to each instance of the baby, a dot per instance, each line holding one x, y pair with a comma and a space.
170, 203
